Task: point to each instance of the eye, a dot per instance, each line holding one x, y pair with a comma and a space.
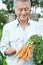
26, 9
20, 9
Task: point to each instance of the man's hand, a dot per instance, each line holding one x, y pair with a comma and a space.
9, 51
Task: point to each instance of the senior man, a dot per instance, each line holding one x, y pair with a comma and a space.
17, 32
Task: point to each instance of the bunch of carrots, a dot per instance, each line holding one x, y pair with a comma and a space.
24, 52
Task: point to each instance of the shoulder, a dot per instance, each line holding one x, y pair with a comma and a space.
10, 24
34, 23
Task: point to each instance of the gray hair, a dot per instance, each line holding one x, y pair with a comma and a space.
14, 3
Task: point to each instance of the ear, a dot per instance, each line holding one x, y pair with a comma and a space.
15, 11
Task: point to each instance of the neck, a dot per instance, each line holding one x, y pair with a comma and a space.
23, 23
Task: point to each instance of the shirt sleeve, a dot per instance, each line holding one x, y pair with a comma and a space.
5, 39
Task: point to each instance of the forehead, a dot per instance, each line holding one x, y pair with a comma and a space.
22, 4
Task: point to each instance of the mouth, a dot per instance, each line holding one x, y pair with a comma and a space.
23, 16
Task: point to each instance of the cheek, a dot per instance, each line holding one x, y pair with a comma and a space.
28, 13
18, 13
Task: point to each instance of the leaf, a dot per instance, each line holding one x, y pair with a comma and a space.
4, 63
2, 59
38, 48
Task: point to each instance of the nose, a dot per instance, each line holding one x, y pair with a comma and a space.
23, 11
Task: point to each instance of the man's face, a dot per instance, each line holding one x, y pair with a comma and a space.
22, 10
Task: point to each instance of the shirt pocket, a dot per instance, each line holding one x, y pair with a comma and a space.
19, 42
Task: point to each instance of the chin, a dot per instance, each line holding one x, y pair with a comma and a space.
24, 19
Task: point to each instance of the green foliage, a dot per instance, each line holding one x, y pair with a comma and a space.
3, 11
2, 59
41, 3
3, 20
38, 53
38, 49
4, 63
34, 2
34, 38
9, 4
0, 33
5, 1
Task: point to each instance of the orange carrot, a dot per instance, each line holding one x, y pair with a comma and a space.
25, 55
28, 54
29, 50
23, 51
19, 50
